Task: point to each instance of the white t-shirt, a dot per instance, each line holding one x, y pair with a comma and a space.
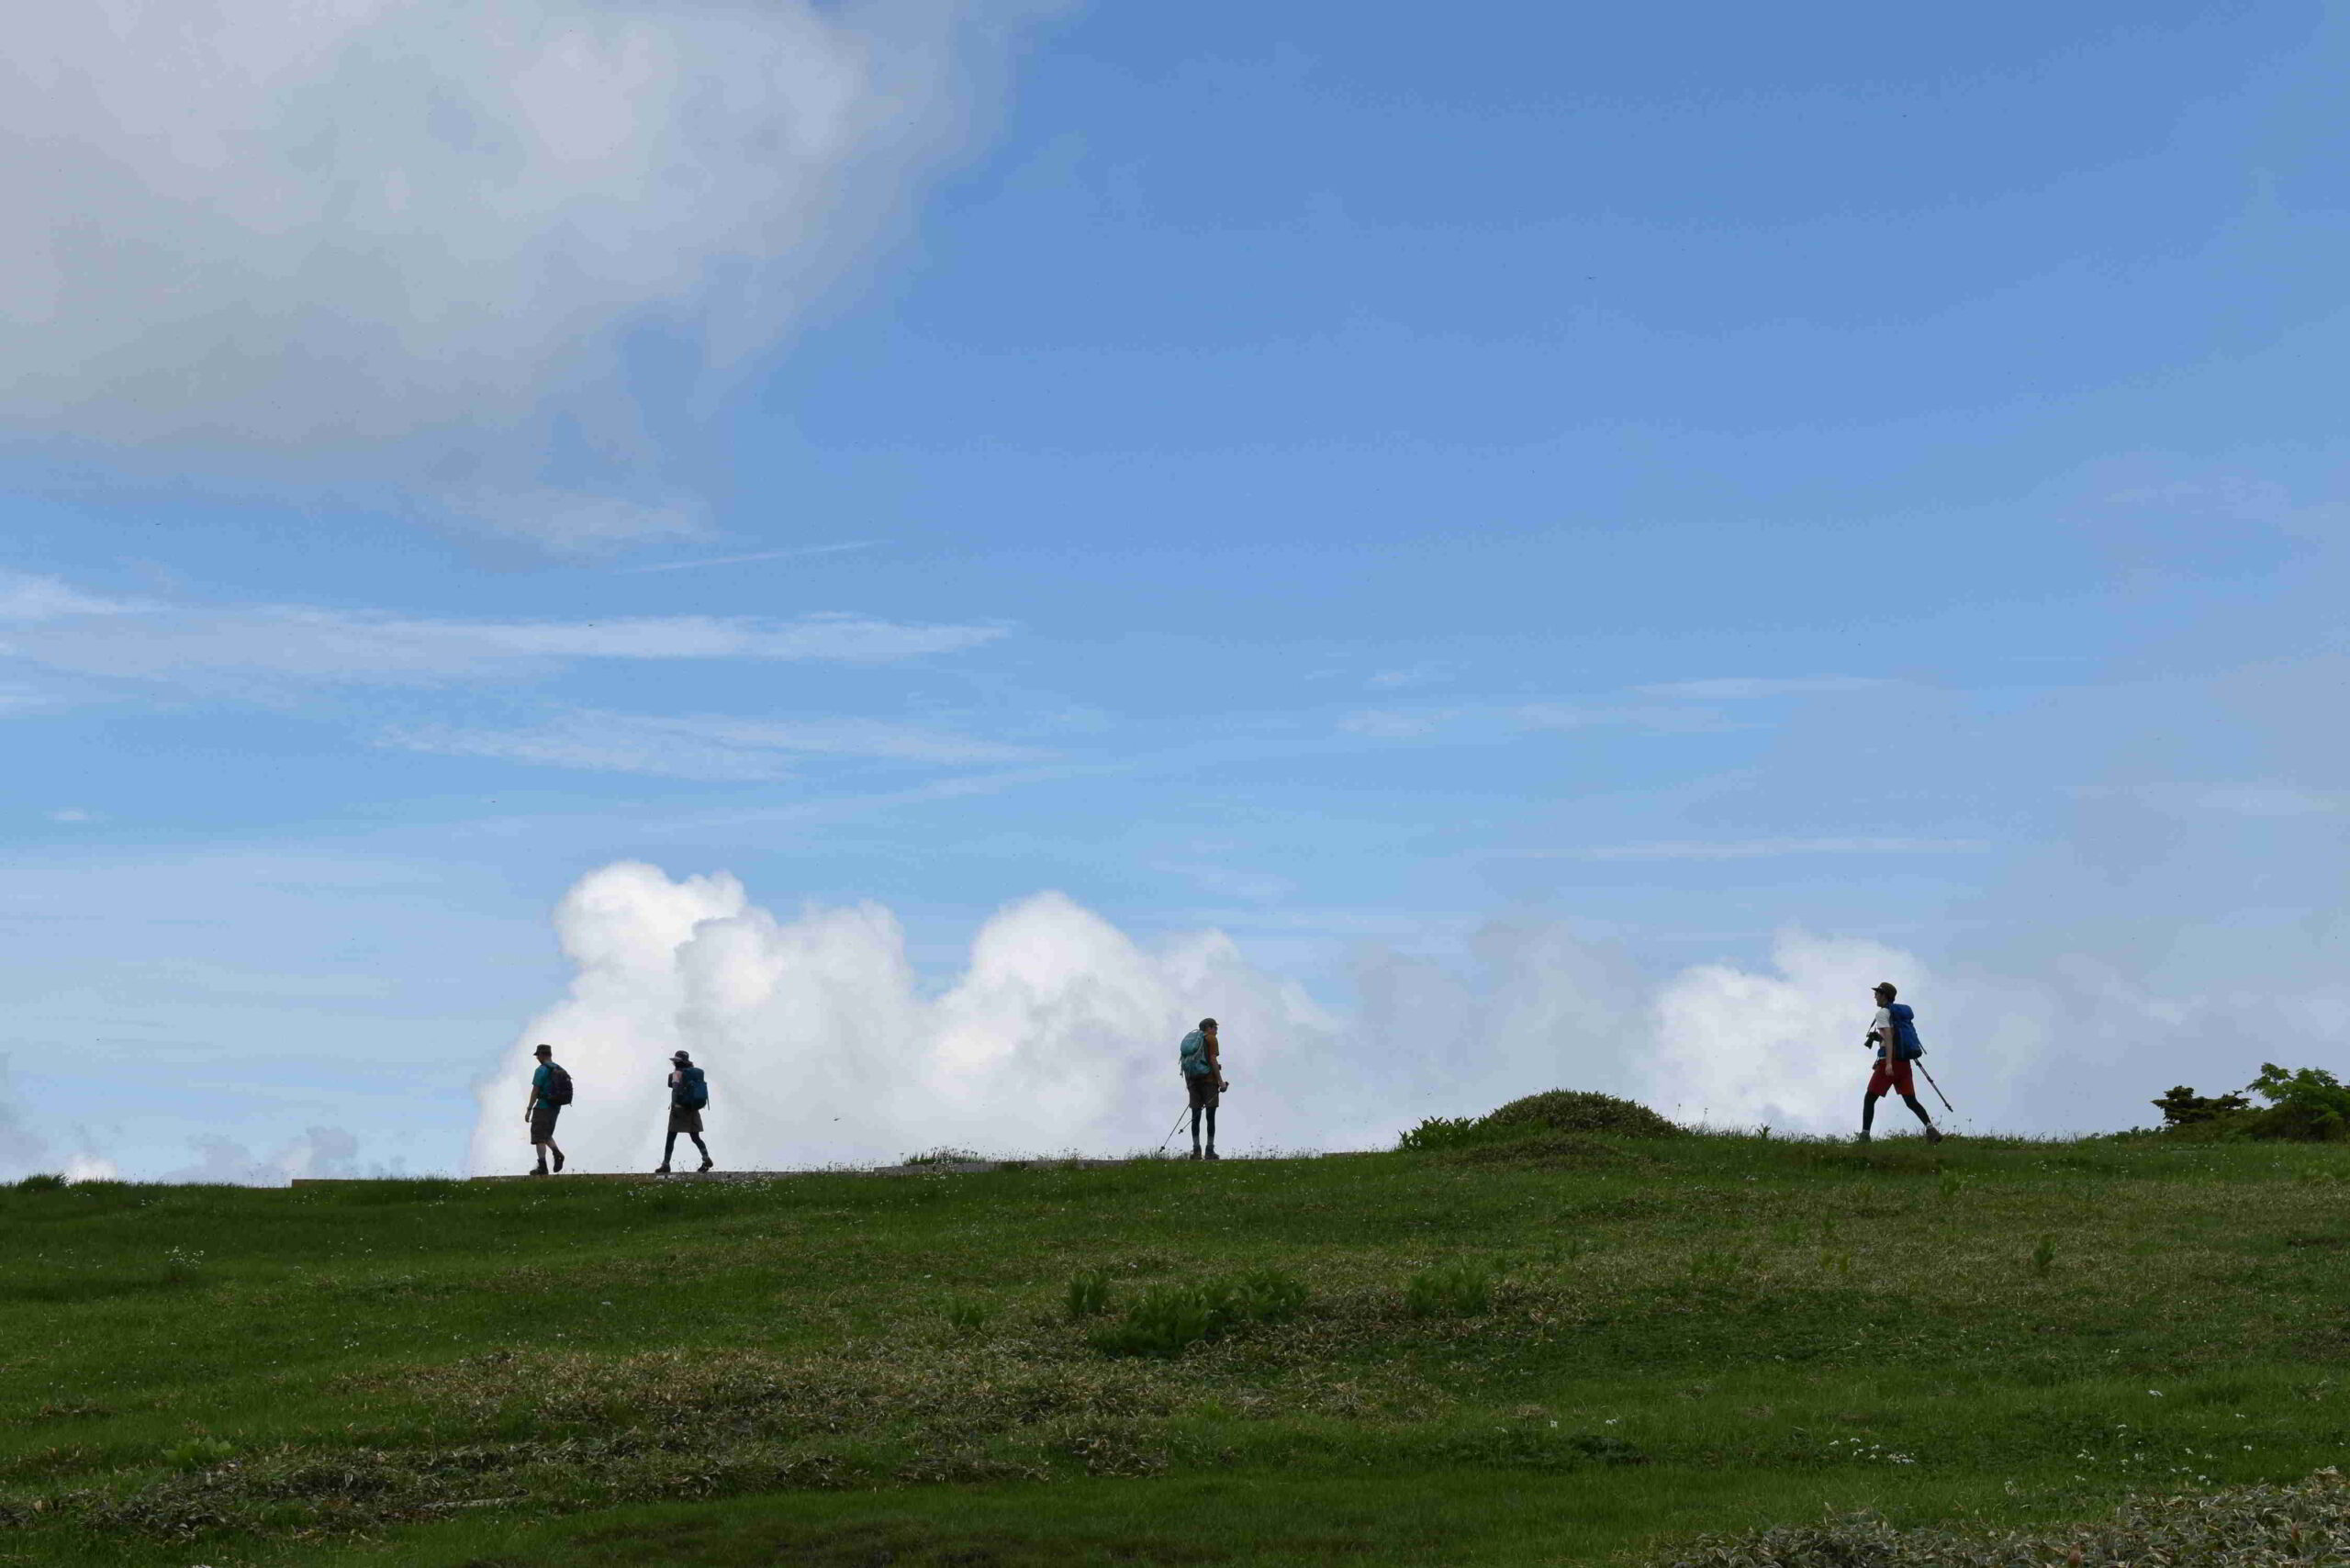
1884, 1030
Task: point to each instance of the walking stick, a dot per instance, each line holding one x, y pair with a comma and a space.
1187, 1111
1921, 1068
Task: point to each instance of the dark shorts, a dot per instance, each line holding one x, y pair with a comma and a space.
684, 1121
542, 1123
1895, 1075
1202, 1090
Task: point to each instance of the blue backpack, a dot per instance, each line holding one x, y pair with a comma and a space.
1905, 1032
692, 1093
1195, 1055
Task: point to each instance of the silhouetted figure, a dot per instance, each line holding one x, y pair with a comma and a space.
550, 1093
1203, 1063
1893, 1033
689, 1093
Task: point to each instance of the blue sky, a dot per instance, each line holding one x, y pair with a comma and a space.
1347, 480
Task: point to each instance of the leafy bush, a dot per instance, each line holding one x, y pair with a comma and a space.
1443, 1132
1450, 1289
943, 1157
2305, 1105
43, 1183
1547, 1116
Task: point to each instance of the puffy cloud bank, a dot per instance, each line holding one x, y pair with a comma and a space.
313, 227
824, 1045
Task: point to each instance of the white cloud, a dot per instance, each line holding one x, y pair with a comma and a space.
186, 645
1424, 674
73, 814
1397, 724
1734, 689
710, 747
26, 597
573, 522
753, 556
822, 1046
428, 231
1759, 848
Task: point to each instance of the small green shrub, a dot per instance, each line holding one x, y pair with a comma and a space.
969, 1316
199, 1453
943, 1157
1089, 1294
1165, 1321
1450, 1289
44, 1183
1442, 1133
2044, 1257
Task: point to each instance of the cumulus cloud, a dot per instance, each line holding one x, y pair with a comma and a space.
320, 1151
706, 746
430, 231
822, 1043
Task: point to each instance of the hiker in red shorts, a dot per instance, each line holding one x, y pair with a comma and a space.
1894, 1034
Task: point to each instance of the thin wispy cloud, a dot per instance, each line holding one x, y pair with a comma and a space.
1739, 688
755, 556
2246, 798
1490, 719
204, 646
712, 748
1764, 848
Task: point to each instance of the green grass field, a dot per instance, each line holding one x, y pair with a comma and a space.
1583, 1354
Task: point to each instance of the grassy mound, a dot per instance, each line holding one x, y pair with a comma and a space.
1549, 1117
1581, 1111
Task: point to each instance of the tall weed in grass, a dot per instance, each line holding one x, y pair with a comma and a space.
1168, 1319
1450, 1289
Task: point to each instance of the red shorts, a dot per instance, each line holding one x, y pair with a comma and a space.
1894, 1075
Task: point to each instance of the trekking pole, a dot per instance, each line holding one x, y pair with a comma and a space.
1187, 1111
1938, 1090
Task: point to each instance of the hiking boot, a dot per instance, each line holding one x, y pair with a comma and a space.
1214, 1155
558, 1160
705, 1165
1193, 1155
1933, 1134
540, 1171
660, 1171
1863, 1138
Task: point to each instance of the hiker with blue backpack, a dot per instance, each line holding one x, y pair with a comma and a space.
689, 1093
550, 1093
1203, 1062
1893, 1033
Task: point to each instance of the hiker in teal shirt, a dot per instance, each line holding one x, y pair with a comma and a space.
1203, 1062
550, 1093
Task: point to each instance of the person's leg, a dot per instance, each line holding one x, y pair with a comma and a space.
1868, 1109
1195, 1129
1211, 1132
556, 1149
704, 1148
540, 1150
668, 1147
1934, 1133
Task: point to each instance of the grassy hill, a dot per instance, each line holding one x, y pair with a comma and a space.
1576, 1350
